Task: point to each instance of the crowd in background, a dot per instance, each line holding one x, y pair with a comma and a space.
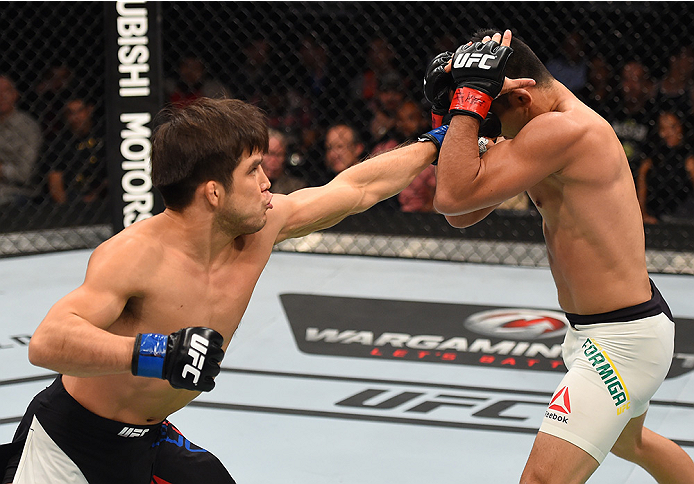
52, 141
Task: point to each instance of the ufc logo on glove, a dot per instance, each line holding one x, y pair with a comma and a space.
197, 350
169, 357
469, 60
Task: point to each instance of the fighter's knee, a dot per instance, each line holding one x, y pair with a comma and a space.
627, 450
532, 475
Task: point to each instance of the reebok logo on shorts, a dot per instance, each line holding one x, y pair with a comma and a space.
560, 403
608, 373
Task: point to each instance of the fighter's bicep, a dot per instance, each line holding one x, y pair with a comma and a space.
99, 306
114, 275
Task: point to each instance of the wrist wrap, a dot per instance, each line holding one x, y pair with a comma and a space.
436, 120
471, 102
148, 355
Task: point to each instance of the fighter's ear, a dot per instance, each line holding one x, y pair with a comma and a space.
520, 98
212, 191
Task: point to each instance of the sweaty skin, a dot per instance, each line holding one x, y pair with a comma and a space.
197, 267
570, 162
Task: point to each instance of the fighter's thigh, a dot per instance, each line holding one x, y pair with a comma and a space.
556, 461
629, 441
179, 461
582, 411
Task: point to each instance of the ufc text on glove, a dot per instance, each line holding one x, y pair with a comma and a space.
188, 358
478, 72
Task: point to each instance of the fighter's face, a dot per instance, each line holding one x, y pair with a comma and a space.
245, 204
511, 120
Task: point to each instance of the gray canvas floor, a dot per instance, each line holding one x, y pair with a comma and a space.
309, 394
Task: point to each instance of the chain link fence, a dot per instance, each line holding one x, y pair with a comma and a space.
341, 81
52, 168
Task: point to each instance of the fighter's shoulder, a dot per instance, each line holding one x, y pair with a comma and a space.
564, 129
132, 251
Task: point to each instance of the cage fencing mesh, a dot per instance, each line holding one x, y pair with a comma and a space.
312, 66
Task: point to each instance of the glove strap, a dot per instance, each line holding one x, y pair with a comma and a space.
471, 102
436, 136
148, 355
436, 120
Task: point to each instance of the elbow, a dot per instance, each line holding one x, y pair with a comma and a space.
446, 204
458, 222
38, 351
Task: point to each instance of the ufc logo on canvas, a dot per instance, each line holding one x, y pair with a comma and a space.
468, 60
198, 350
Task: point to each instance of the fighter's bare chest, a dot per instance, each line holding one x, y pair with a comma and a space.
177, 299
547, 196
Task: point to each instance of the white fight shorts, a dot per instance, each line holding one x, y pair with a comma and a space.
616, 361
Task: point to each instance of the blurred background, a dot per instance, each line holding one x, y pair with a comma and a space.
341, 81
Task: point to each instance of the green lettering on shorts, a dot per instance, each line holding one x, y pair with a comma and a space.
608, 373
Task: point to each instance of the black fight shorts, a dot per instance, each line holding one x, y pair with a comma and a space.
58, 440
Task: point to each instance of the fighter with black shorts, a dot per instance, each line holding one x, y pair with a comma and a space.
86, 448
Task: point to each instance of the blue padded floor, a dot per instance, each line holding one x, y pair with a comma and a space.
362, 370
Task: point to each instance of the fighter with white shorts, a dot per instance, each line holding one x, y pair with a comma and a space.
616, 361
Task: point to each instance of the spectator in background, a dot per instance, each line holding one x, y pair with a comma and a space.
20, 143
192, 82
665, 180
340, 148
676, 90
255, 71
383, 109
48, 99
597, 92
570, 67
632, 119
343, 148
380, 62
409, 123
78, 166
313, 79
274, 165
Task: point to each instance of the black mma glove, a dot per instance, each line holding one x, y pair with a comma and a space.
490, 127
478, 72
437, 87
188, 358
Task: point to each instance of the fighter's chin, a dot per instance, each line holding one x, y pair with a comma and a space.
256, 227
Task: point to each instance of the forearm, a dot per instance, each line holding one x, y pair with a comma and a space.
459, 166
389, 173
72, 346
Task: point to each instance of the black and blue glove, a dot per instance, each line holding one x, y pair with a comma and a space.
188, 358
436, 136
